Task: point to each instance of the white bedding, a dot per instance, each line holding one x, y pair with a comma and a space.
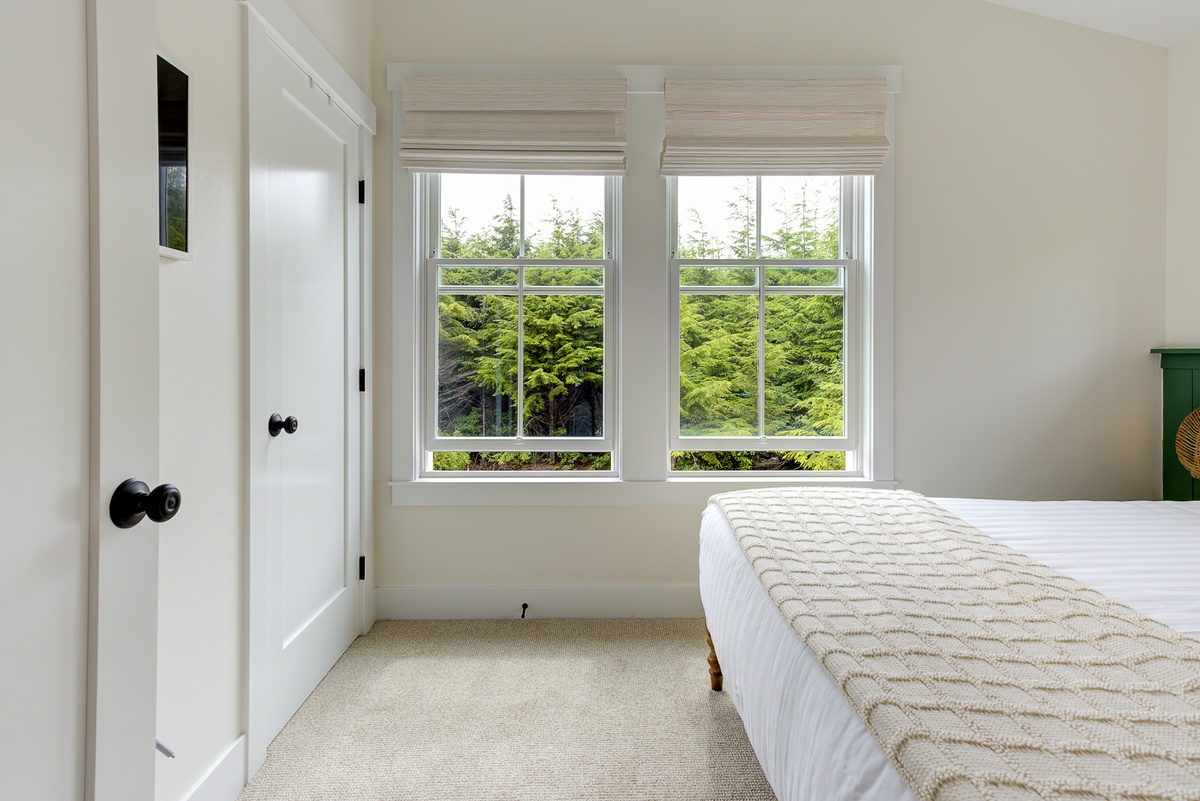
811, 744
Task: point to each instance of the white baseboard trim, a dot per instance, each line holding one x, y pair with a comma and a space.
226, 778
545, 600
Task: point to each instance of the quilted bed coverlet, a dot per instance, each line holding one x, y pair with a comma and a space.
982, 673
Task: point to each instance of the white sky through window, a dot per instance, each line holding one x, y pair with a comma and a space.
704, 208
479, 198
707, 205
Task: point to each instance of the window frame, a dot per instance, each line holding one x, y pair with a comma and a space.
428, 186
854, 192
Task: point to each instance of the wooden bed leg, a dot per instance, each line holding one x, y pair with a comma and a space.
714, 667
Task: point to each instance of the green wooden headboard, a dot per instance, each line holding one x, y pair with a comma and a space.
1181, 394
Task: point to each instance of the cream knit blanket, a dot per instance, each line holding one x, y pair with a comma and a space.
982, 673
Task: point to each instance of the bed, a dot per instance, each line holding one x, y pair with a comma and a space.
811, 743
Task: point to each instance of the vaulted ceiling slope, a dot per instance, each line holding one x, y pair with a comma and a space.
1161, 22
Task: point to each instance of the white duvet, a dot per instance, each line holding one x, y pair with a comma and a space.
811, 744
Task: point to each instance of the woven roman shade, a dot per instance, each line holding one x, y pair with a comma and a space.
514, 125
775, 126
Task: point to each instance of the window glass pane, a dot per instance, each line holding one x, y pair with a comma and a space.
718, 365
172, 155
800, 217
758, 460
803, 366
805, 276
716, 217
718, 276
564, 216
480, 216
477, 276
564, 365
564, 276
477, 366
521, 460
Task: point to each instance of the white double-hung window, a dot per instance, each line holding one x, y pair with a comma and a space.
521, 286
770, 192
767, 322
747, 242
517, 189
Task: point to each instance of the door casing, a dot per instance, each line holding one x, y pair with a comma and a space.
124, 441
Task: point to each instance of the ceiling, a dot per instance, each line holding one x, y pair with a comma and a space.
1161, 22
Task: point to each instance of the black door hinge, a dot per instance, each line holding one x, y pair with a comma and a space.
362, 568
362, 191
362, 379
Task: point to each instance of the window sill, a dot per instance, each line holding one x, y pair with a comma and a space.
586, 491
170, 254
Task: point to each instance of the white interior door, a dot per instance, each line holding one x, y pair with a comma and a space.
304, 366
123, 581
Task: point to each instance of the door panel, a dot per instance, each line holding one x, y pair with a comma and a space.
307, 321
304, 592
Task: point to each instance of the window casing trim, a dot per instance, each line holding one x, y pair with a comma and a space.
644, 293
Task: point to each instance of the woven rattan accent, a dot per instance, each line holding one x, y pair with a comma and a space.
982, 673
1187, 443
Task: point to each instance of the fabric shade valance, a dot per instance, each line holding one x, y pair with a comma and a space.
514, 124
775, 126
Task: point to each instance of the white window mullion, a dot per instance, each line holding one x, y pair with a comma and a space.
762, 349
521, 222
561, 444
521, 341
610, 371
429, 243
852, 356
610, 222
675, 336
848, 227
758, 217
430, 345
766, 443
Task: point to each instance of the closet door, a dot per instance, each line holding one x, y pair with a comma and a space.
304, 417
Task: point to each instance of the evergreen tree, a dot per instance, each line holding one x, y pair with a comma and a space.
563, 341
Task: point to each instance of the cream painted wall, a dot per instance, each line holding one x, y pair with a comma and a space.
44, 402
1030, 210
529, 545
1183, 198
344, 28
203, 362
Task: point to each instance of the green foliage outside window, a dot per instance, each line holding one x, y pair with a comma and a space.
563, 343
176, 199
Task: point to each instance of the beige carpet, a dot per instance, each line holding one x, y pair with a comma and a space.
516, 709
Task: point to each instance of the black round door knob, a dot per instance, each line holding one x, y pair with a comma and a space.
277, 424
134, 500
